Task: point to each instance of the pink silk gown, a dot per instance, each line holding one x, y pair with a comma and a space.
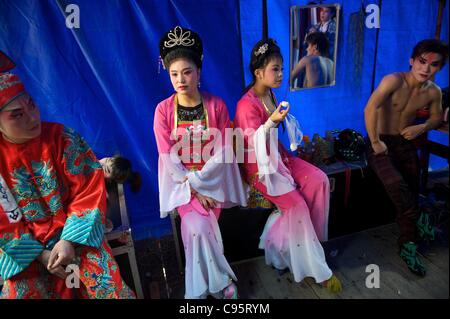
207, 270
292, 235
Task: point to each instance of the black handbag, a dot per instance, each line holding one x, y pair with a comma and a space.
349, 145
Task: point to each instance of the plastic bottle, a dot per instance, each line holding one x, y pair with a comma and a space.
307, 149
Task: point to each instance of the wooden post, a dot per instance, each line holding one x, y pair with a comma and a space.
437, 35
265, 20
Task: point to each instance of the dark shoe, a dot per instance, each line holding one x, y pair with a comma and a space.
281, 272
408, 252
424, 228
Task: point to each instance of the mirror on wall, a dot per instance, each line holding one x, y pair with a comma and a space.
313, 46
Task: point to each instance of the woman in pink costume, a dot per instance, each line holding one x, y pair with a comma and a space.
292, 234
197, 172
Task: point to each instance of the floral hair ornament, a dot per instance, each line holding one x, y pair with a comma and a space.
262, 49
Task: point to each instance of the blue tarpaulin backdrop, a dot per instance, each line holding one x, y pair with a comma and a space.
103, 79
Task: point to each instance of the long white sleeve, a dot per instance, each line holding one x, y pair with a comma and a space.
218, 179
271, 170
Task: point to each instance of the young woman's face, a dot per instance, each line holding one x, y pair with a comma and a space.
272, 75
184, 76
425, 66
20, 120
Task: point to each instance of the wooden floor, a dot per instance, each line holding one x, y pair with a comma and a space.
348, 257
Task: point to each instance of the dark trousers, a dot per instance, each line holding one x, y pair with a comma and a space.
399, 172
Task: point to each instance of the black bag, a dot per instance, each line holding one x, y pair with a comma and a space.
349, 145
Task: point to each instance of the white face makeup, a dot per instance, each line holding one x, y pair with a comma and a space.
20, 120
425, 66
184, 75
272, 74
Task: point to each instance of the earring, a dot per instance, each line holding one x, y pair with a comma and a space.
160, 62
198, 84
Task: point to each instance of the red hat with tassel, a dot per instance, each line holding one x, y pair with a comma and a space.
10, 84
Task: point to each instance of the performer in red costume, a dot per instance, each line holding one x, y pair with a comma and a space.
52, 206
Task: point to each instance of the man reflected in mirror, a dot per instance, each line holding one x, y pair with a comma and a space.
315, 68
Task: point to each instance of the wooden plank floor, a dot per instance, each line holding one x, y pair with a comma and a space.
348, 257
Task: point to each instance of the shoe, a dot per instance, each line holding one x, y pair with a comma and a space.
408, 252
333, 284
424, 228
281, 272
230, 292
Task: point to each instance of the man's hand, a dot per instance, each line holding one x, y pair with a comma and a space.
58, 271
379, 147
279, 115
43, 257
411, 132
61, 255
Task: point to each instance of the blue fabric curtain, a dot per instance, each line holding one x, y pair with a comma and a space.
403, 24
103, 79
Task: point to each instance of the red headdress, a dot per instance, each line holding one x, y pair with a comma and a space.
10, 84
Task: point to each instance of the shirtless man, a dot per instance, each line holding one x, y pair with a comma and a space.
316, 68
389, 117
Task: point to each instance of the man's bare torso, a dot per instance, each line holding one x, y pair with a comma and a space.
399, 110
319, 71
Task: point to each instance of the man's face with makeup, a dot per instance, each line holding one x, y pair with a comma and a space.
20, 120
425, 66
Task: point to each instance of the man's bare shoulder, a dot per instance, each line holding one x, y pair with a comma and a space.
390, 83
433, 89
393, 80
306, 59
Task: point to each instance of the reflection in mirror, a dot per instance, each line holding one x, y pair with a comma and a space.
313, 43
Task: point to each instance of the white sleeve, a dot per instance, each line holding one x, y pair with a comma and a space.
268, 125
271, 170
220, 179
173, 192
